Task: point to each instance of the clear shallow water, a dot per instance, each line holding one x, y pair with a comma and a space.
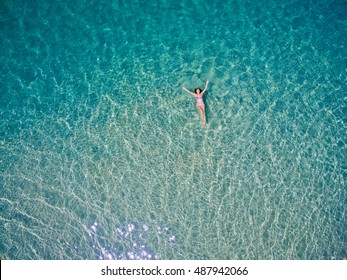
104, 156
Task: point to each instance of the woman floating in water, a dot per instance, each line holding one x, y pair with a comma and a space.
198, 93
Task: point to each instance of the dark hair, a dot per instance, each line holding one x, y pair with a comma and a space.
195, 90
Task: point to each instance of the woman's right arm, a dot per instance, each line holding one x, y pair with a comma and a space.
188, 91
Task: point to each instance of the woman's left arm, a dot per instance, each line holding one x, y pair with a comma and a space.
205, 87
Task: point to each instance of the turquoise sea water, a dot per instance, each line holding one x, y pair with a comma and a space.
103, 156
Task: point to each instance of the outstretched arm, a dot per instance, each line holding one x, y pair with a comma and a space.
205, 87
192, 93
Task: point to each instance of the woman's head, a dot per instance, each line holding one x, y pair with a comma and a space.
198, 90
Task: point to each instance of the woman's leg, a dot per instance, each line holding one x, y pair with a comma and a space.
202, 114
